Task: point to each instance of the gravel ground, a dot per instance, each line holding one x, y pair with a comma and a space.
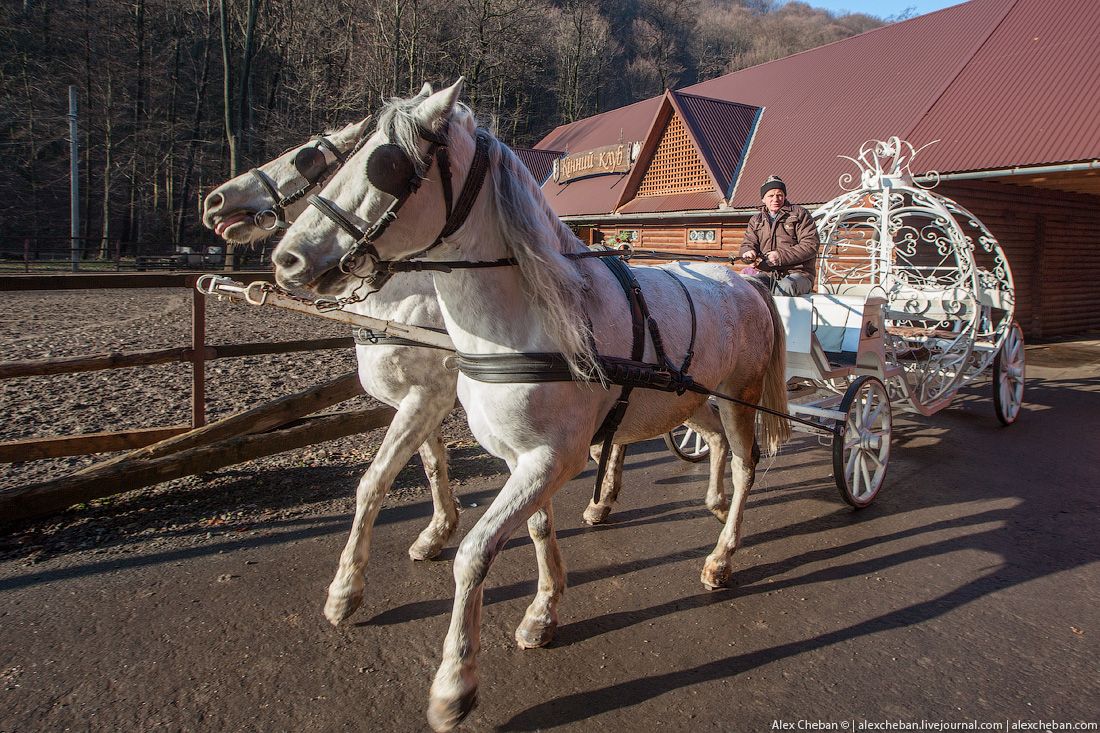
316, 479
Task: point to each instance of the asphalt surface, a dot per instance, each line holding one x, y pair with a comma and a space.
968, 592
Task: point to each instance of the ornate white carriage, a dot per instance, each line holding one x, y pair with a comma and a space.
914, 299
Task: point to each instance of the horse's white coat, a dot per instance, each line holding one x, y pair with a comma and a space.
542, 430
413, 380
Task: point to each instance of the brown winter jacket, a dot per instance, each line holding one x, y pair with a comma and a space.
794, 235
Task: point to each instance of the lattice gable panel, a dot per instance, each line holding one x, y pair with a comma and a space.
676, 166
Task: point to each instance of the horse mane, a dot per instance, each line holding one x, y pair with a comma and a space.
537, 239
529, 228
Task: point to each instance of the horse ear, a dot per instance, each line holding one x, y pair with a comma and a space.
362, 127
425, 91
438, 107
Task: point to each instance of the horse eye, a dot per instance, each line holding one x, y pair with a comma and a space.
310, 163
390, 170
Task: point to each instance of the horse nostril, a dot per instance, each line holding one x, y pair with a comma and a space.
285, 260
214, 202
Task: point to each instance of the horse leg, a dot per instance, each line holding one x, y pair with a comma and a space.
597, 512
535, 478
706, 422
541, 620
444, 506
414, 421
740, 431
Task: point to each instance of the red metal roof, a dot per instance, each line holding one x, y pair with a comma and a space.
998, 82
539, 162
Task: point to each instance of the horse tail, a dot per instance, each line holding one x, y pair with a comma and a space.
774, 430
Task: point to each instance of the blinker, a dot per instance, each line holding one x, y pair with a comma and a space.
391, 171
310, 163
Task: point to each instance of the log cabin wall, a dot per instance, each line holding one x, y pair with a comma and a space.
1048, 236
1051, 243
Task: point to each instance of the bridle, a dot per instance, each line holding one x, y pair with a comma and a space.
391, 171
313, 166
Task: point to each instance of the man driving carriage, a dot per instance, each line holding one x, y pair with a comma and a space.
781, 242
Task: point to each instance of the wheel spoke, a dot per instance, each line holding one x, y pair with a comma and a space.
853, 471
866, 477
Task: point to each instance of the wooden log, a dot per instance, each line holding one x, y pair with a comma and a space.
121, 360
257, 420
32, 449
53, 496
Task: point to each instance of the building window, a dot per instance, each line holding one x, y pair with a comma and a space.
628, 235
701, 236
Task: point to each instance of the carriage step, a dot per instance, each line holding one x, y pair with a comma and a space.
841, 359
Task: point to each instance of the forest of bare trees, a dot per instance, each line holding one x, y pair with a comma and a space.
179, 95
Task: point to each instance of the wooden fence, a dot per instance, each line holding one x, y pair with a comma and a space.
167, 452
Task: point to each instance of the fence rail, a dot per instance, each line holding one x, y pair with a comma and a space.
166, 452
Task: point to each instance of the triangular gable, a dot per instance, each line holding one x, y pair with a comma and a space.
723, 131
673, 160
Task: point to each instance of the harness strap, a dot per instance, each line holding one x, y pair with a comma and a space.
366, 337
614, 417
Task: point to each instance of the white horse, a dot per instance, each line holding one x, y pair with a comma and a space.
545, 304
411, 379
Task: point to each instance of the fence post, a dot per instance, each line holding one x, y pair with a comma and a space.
74, 182
198, 358
26, 254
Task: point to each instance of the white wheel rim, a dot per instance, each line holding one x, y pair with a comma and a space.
1010, 384
690, 443
867, 442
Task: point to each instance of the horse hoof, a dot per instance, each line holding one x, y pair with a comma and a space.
425, 550
535, 635
596, 514
715, 576
339, 607
720, 514
445, 715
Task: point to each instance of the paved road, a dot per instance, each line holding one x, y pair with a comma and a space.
969, 591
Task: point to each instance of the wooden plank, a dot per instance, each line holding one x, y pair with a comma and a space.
96, 362
32, 449
53, 496
258, 419
99, 280
122, 360
281, 347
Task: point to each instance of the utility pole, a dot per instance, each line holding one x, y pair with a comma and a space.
74, 181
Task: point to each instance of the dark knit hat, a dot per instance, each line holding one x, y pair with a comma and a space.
773, 182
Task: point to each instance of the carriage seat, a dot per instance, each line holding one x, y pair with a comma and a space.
828, 333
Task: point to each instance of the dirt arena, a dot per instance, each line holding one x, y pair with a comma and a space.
968, 593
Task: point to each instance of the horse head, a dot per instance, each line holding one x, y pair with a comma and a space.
259, 202
355, 223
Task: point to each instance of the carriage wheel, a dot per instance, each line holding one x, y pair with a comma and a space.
1008, 376
861, 452
687, 445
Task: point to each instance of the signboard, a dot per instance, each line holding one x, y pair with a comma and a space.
597, 162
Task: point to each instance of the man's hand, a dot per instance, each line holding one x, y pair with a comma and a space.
772, 258
749, 257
